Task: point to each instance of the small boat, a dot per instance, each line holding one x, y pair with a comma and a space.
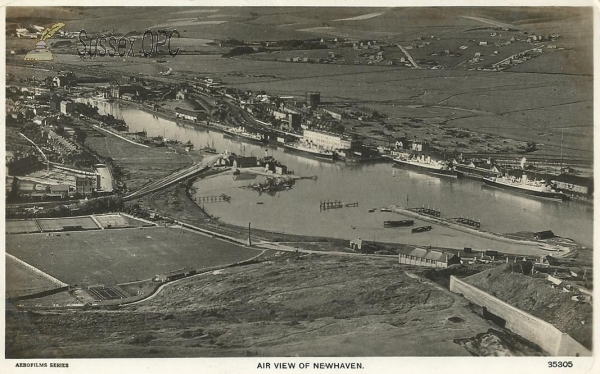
400, 223
385, 210
259, 203
421, 229
371, 210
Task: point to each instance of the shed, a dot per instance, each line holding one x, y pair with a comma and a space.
245, 162
541, 235
356, 244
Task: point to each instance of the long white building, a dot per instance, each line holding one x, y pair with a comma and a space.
328, 141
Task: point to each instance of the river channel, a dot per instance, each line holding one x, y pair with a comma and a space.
371, 186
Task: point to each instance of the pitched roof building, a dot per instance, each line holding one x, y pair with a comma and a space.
429, 258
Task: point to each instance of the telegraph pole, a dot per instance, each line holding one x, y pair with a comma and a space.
249, 238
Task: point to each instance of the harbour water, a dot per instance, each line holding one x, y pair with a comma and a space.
371, 185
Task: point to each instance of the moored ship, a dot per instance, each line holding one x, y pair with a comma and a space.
310, 150
426, 165
476, 171
243, 134
524, 186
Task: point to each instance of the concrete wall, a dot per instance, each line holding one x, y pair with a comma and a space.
524, 324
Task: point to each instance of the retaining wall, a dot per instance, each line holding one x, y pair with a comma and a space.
524, 324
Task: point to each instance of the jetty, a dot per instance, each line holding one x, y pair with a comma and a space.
326, 205
430, 212
466, 221
414, 213
213, 199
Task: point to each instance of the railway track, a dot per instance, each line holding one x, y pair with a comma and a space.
173, 178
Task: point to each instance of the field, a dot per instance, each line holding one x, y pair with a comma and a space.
290, 305
19, 280
21, 226
57, 224
116, 256
118, 221
138, 165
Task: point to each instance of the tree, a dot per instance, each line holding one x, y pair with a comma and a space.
80, 135
60, 130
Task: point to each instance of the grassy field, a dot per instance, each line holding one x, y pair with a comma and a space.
138, 164
18, 279
291, 305
117, 256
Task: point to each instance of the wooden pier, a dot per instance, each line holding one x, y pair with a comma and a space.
466, 221
213, 199
427, 211
326, 205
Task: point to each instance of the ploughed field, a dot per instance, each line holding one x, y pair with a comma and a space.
290, 304
116, 256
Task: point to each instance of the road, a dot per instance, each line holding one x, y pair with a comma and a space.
408, 56
173, 178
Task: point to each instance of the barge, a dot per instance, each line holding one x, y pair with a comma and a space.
401, 223
417, 230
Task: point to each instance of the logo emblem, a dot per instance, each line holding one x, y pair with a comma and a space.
41, 51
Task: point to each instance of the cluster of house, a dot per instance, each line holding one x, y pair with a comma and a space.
28, 176
36, 182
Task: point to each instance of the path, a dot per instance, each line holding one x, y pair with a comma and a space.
408, 56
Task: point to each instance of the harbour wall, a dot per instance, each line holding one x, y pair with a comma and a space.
459, 227
538, 331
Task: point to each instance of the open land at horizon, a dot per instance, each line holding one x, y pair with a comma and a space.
546, 100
